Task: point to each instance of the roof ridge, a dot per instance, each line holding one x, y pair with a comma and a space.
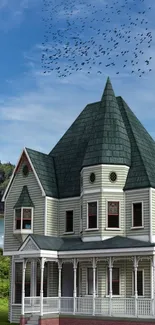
36, 151
123, 102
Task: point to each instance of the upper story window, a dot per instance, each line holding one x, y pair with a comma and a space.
23, 219
137, 215
113, 214
92, 215
69, 221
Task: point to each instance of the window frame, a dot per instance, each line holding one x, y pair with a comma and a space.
87, 285
142, 226
21, 230
143, 287
69, 232
107, 278
119, 209
92, 229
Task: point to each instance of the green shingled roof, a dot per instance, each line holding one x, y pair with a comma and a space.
75, 243
24, 199
44, 167
106, 132
109, 142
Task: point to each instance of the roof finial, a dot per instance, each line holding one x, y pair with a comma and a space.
108, 90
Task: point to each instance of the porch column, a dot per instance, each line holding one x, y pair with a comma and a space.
75, 282
152, 284
136, 292
42, 264
110, 283
94, 283
23, 286
59, 288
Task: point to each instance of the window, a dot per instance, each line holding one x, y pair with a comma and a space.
69, 221
45, 279
115, 281
137, 215
92, 215
90, 281
113, 214
140, 282
23, 219
18, 281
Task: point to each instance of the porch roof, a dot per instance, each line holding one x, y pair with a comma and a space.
76, 243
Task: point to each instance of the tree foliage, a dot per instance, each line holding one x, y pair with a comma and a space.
4, 275
5, 174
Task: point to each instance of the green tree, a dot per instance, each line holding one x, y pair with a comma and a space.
4, 275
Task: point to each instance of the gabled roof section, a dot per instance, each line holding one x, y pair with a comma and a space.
109, 142
24, 157
142, 171
24, 199
44, 167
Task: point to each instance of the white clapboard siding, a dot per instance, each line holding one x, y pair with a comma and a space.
141, 195
86, 177
102, 173
52, 217
16, 313
10, 290
70, 204
12, 242
142, 265
153, 211
53, 279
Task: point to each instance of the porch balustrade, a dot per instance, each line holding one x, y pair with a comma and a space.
99, 306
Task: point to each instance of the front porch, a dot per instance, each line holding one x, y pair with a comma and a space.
109, 282
90, 287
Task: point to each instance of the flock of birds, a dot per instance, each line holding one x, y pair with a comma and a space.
93, 36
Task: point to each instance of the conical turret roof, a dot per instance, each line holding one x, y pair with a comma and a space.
106, 132
109, 142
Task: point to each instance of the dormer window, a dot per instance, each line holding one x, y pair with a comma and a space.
23, 213
23, 219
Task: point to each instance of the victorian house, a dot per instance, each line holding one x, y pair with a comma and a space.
80, 223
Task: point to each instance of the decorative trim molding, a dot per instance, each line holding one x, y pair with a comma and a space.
105, 165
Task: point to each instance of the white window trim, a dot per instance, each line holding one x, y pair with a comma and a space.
90, 267
143, 288
108, 228
107, 294
92, 229
69, 232
23, 231
142, 226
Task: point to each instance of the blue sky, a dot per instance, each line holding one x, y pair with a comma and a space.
36, 109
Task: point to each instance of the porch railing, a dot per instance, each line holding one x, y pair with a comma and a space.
103, 306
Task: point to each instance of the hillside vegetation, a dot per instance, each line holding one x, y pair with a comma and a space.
5, 174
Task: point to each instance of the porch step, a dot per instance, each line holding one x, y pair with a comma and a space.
33, 320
